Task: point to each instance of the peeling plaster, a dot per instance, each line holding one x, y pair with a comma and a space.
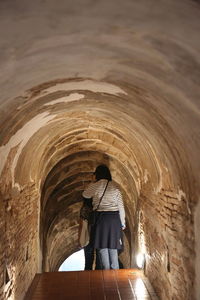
71, 97
159, 169
90, 85
20, 138
146, 175
181, 195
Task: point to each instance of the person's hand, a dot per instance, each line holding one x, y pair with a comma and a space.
123, 226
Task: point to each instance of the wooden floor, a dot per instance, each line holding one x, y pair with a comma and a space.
123, 284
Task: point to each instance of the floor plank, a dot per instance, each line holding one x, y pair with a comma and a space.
123, 284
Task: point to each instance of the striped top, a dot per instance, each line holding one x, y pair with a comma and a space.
112, 199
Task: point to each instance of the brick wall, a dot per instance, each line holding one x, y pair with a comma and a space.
166, 226
19, 246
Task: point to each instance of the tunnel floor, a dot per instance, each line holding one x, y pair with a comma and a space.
126, 284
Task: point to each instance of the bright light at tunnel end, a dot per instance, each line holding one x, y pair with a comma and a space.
140, 260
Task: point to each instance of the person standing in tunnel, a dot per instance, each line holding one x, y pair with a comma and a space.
84, 233
106, 233
90, 253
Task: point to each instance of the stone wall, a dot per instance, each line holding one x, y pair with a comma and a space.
166, 224
19, 239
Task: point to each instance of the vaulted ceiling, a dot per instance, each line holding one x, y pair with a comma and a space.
89, 82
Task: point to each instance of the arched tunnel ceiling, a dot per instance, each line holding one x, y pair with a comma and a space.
122, 123
69, 132
85, 82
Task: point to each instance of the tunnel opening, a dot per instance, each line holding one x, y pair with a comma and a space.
67, 189
75, 262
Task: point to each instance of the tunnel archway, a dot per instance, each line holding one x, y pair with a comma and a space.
100, 82
65, 142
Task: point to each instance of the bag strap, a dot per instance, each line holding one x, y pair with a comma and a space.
102, 195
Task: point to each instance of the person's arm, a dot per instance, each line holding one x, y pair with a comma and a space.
89, 191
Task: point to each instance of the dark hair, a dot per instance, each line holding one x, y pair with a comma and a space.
102, 172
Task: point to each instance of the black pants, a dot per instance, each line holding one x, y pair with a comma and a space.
89, 258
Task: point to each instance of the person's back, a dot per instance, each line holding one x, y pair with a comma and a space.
112, 199
110, 215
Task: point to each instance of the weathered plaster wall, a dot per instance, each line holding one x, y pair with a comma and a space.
86, 82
